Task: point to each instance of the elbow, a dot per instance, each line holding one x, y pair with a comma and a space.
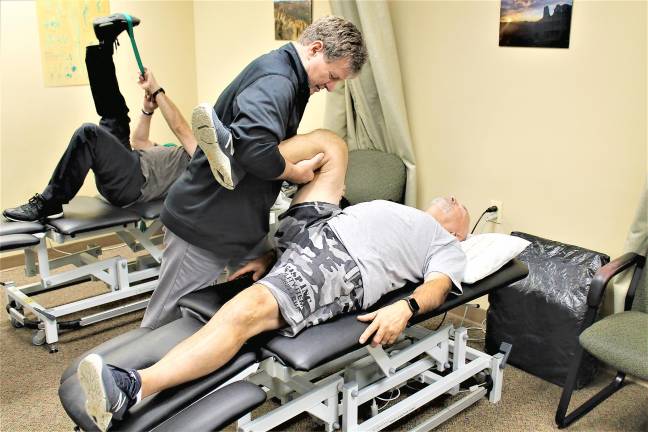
137, 144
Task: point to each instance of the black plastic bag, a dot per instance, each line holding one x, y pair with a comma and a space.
542, 314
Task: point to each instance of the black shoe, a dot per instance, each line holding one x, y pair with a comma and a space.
36, 209
110, 391
108, 28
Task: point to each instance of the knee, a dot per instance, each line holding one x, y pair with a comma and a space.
334, 148
85, 133
249, 312
88, 128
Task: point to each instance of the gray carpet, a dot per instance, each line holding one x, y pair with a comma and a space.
30, 375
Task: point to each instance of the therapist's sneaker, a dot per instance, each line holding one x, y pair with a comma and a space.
215, 140
109, 27
36, 209
110, 391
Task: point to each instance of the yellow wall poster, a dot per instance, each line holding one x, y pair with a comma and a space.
65, 28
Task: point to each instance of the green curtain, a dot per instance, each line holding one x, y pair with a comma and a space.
369, 111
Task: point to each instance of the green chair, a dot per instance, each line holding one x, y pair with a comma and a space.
374, 174
619, 340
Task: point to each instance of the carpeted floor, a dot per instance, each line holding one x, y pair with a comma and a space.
29, 378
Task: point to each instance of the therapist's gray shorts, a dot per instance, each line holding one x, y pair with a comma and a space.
314, 278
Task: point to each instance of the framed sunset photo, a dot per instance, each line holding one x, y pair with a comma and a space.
535, 23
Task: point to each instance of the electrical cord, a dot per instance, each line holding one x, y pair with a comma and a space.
490, 209
388, 399
441, 323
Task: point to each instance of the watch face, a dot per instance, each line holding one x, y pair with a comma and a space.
413, 304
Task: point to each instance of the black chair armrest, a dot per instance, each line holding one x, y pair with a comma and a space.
607, 272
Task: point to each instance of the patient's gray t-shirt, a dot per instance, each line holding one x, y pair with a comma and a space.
161, 166
392, 244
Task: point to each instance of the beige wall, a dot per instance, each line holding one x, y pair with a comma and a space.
558, 135
230, 34
37, 122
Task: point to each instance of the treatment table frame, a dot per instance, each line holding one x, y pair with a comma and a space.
323, 371
366, 373
139, 228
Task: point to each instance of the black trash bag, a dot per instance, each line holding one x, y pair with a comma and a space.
542, 314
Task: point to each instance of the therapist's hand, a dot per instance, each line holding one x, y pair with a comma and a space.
302, 171
258, 267
387, 323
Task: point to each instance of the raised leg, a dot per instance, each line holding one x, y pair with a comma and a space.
109, 102
328, 184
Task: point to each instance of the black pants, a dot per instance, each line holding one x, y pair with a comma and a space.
104, 148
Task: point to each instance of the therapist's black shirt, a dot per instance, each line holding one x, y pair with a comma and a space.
262, 107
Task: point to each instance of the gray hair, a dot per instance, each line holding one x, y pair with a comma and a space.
341, 39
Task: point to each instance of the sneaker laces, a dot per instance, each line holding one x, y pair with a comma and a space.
128, 381
36, 201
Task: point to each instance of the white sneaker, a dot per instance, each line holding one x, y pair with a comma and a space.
215, 140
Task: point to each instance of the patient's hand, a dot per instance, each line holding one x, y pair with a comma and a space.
387, 323
258, 267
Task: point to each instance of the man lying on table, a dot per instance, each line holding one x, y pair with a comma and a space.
329, 262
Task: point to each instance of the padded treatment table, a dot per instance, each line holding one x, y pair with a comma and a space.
322, 371
19, 235
137, 226
85, 214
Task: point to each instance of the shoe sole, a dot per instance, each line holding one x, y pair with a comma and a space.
96, 405
54, 216
205, 132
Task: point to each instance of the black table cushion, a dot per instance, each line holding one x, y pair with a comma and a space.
85, 214
139, 349
216, 410
17, 241
7, 228
318, 344
147, 210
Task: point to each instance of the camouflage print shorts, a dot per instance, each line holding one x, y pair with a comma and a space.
314, 278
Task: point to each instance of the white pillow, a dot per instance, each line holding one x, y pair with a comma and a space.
487, 253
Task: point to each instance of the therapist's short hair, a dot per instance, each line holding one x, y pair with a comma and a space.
341, 39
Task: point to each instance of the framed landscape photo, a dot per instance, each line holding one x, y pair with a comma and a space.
291, 18
537, 23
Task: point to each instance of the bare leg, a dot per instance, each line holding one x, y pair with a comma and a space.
252, 311
328, 184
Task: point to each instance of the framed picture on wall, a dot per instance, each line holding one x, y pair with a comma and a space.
539, 23
291, 18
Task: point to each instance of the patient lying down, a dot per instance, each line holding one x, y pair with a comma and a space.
329, 262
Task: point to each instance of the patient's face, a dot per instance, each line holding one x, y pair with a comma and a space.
452, 215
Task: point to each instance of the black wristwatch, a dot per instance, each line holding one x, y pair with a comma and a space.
413, 305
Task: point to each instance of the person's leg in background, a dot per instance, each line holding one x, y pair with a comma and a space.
106, 149
108, 100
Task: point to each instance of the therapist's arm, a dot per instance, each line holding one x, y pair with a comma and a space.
260, 123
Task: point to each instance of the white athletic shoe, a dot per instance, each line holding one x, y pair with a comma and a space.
110, 391
216, 142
